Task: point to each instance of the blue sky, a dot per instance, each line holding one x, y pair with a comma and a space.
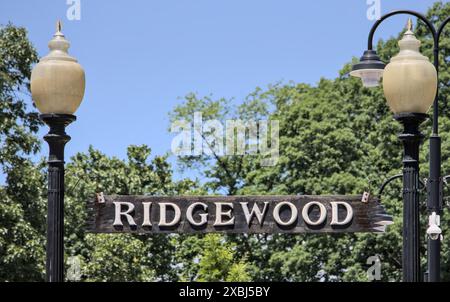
140, 57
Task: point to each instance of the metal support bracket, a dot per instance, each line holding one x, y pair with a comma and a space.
397, 176
100, 197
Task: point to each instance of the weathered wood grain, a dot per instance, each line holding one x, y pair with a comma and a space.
367, 217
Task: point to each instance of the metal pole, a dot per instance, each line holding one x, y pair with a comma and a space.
435, 181
434, 189
434, 205
411, 139
56, 139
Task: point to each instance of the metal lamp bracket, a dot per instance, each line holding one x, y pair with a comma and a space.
423, 184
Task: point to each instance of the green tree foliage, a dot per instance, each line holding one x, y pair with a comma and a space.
22, 212
216, 262
117, 257
17, 123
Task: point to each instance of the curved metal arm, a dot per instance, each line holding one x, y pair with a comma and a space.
390, 179
399, 12
445, 179
441, 27
436, 42
386, 182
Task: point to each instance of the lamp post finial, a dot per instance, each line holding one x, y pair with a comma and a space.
409, 25
58, 26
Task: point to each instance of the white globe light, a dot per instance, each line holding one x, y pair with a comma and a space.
58, 81
410, 80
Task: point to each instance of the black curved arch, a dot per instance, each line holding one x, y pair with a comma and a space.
439, 33
401, 12
390, 179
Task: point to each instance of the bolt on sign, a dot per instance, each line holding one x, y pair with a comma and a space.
236, 214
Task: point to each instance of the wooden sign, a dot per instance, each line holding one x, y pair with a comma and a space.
236, 214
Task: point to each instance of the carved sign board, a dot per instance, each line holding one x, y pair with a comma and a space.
236, 214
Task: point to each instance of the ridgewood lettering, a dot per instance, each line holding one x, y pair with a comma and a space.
236, 214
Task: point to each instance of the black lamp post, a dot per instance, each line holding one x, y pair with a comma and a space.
371, 73
56, 139
57, 87
411, 139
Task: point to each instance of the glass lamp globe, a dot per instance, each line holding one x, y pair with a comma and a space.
410, 80
58, 81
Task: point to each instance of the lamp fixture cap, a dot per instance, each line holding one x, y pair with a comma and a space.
59, 46
369, 60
